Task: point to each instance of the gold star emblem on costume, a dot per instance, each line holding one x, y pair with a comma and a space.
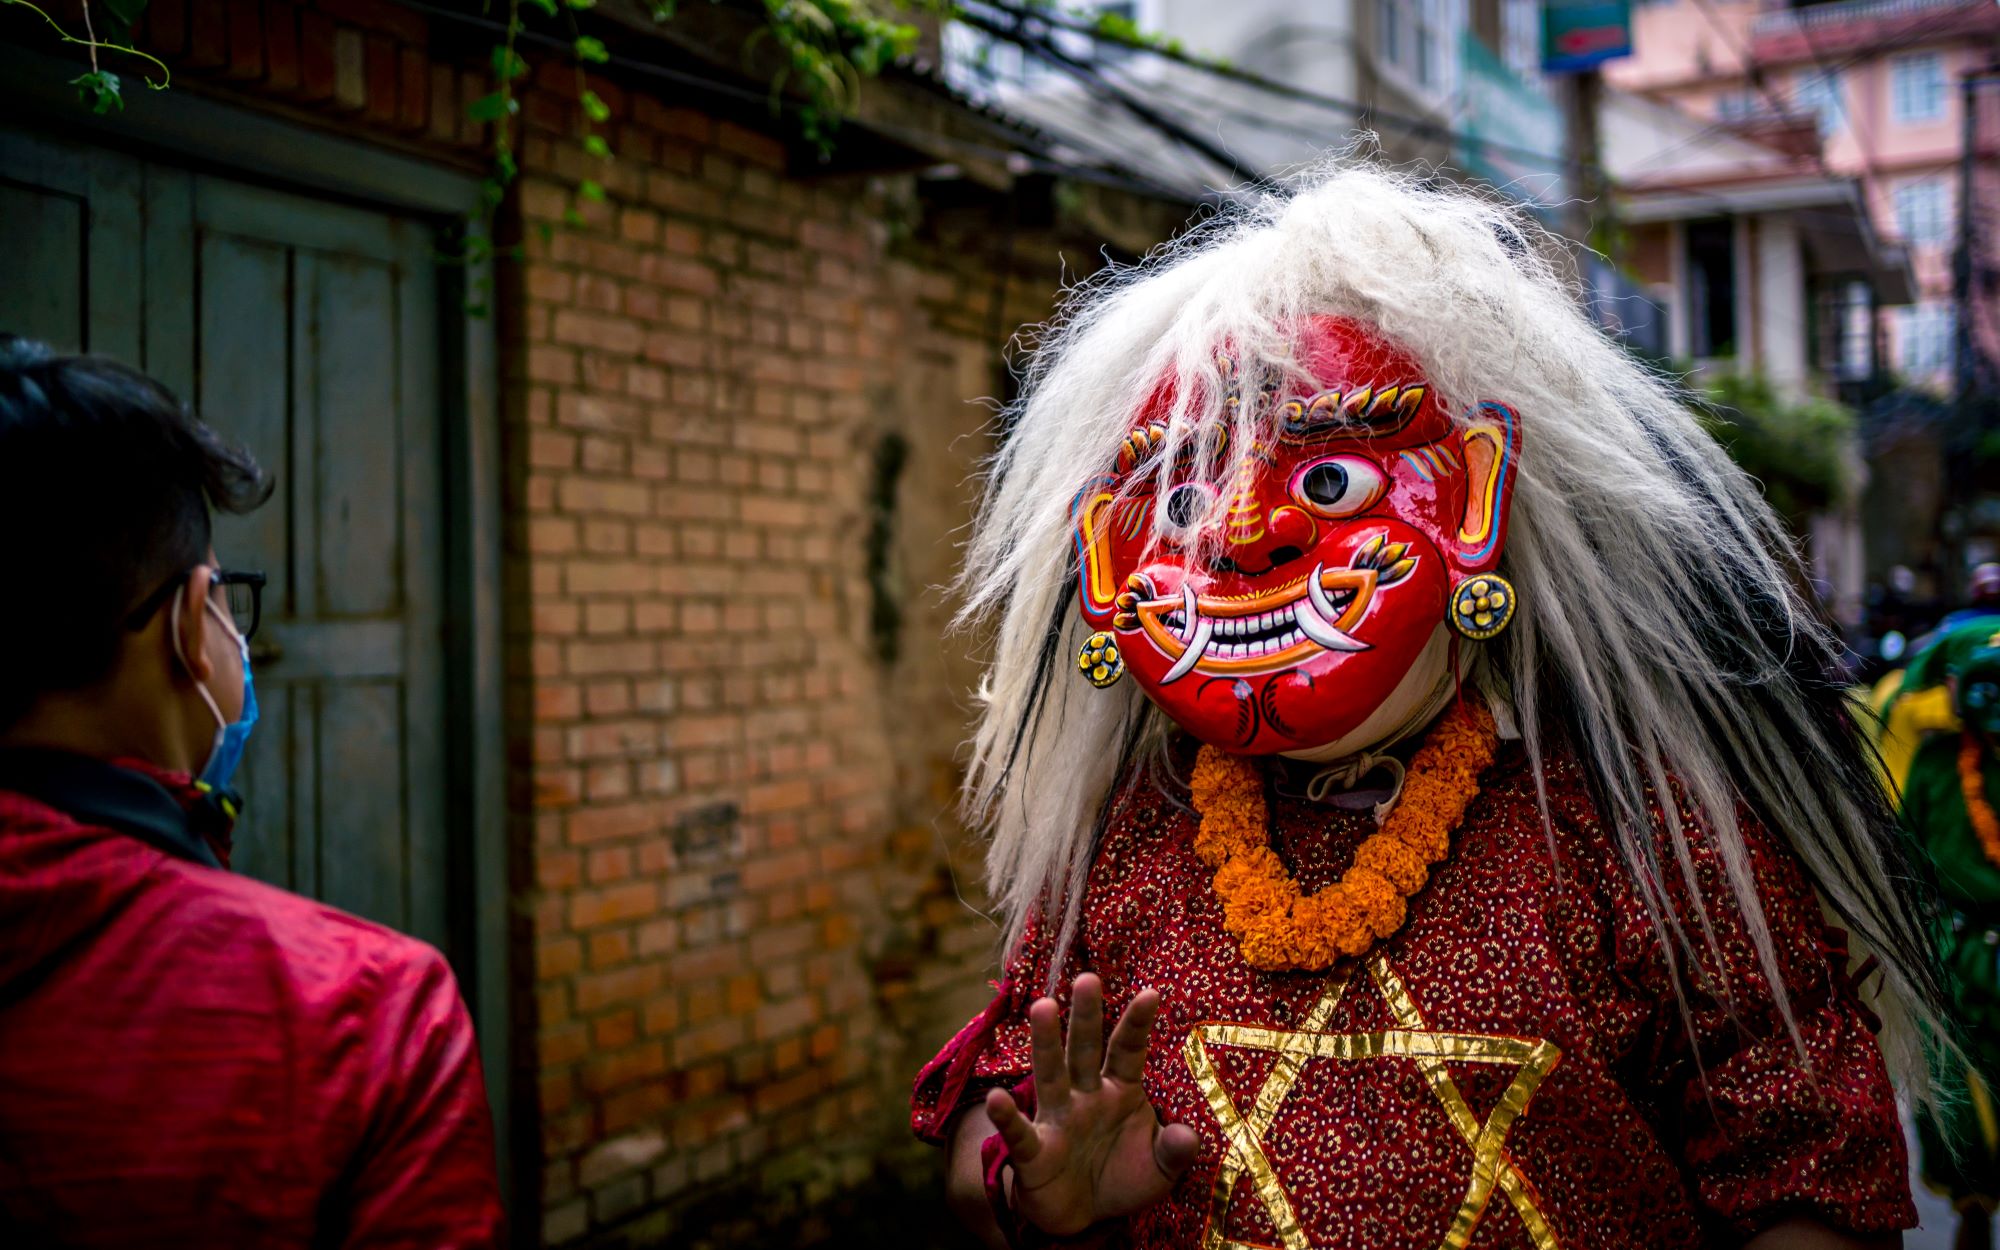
1243, 1136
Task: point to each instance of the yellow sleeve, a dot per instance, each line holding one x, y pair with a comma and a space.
1904, 718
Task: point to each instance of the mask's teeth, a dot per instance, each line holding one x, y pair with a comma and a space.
1325, 633
1197, 646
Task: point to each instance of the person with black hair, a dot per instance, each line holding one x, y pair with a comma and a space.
187, 1057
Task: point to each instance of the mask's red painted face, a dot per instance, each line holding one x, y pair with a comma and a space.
1339, 546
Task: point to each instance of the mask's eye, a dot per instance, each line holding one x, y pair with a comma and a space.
1186, 507
1339, 486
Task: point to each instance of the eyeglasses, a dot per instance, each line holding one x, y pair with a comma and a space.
243, 593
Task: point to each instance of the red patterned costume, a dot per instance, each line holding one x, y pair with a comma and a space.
1511, 1069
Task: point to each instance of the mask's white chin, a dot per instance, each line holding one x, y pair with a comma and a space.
1414, 703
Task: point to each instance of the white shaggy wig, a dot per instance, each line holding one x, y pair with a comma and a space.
1658, 633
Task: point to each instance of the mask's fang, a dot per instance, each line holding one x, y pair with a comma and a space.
1197, 646
1316, 617
1190, 614
1316, 593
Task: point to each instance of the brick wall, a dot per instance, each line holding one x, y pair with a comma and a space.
745, 921
739, 432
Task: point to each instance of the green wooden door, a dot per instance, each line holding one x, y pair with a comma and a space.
309, 331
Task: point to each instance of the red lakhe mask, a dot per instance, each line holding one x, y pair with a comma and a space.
1371, 517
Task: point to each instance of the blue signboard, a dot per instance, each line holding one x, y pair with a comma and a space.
1581, 34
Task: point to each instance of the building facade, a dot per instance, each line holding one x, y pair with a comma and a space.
1879, 82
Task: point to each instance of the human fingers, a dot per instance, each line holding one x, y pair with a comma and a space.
1125, 1059
1015, 1130
1051, 1069
1174, 1149
1086, 1032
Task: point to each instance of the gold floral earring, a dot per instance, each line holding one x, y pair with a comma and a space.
1099, 661
1481, 606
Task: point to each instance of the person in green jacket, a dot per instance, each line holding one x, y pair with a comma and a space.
1948, 797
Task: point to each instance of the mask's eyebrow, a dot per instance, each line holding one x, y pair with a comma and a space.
1375, 410
1139, 444
1145, 442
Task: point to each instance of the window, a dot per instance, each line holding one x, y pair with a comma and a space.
1711, 260
1116, 18
1857, 332
1924, 338
1389, 31
1916, 87
1923, 212
1420, 38
1735, 106
976, 59
1818, 93
1521, 38
1430, 55
1844, 326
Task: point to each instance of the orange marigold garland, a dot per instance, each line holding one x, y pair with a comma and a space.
1280, 928
1972, 782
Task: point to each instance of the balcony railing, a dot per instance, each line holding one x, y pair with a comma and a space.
1822, 16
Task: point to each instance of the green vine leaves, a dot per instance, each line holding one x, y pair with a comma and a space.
98, 87
828, 47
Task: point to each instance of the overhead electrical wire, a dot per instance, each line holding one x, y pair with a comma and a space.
1404, 122
1095, 82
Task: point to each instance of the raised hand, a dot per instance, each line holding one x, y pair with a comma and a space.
1095, 1149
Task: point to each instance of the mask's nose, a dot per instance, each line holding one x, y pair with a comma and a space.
1262, 529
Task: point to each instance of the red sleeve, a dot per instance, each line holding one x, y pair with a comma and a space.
424, 1174
1770, 1124
992, 1049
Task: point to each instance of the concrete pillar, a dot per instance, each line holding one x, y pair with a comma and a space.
1743, 260
1781, 305
1675, 292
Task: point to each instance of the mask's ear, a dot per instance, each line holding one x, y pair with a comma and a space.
1091, 512
1491, 444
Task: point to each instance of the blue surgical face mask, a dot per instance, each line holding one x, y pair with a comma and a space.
231, 737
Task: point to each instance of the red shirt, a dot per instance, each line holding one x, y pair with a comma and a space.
191, 1058
1512, 1068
